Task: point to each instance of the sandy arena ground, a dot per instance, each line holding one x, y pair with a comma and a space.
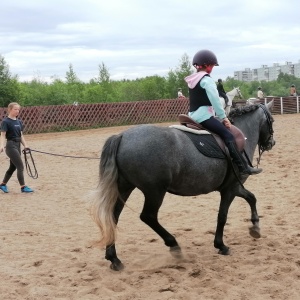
47, 238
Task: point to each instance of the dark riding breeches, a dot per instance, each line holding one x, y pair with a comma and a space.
13, 151
223, 95
215, 126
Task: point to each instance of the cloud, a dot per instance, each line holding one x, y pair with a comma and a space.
141, 38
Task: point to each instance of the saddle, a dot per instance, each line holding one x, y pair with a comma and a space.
195, 127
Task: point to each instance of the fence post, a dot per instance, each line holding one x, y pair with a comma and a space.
281, 106
297, 104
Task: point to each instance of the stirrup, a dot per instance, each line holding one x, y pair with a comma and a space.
250, 171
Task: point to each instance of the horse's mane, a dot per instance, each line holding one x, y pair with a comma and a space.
242, 110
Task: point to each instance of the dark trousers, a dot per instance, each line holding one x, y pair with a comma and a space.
13, 151
215, 126
223, 95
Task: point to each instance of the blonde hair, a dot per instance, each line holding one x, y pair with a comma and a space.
11, 105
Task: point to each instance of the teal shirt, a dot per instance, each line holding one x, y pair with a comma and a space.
206, 112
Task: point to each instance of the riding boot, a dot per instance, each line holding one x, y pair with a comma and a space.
240, 161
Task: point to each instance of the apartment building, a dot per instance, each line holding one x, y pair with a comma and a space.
268, 73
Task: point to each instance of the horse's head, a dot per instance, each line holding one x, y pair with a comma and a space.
266, 140
238, 92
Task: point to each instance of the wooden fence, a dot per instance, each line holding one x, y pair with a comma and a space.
282, 105
39, 119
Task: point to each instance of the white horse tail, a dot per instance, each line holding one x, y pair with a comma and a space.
107, 196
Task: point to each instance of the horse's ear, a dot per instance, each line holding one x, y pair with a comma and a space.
270, 105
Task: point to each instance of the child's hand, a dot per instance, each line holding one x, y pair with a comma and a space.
227, 123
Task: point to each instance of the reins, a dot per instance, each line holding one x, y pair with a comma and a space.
70, 156
34, 175
261, 148
28, 158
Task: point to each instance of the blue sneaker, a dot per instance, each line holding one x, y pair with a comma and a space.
4, 188
26, 189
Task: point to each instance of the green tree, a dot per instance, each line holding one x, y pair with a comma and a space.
104, 76
57, 93
184, 69
128, 90
92, 93
34, 93
176, 78
104, 81
74, 86
172, 85
152, 88
9, 86
71, 77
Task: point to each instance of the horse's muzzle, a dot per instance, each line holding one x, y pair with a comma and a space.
270, 144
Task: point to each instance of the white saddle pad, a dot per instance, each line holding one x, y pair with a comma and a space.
184, 128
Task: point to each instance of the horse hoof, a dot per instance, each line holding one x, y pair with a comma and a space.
225, 251
255, 232
117, 266
176, 252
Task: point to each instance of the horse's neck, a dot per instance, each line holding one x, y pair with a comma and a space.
231, 95
251, 133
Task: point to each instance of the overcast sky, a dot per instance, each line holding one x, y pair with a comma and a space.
138, 38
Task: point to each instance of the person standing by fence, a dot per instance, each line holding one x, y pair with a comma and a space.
260, 93
293, 91
12, 131
180, 94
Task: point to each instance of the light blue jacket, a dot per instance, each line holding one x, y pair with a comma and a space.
206, 112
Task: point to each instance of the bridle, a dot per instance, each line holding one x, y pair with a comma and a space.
239, 92
267, 145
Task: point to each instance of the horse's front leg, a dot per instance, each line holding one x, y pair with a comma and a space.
254, 230
226, 200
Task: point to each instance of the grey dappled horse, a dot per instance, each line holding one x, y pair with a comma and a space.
157, 160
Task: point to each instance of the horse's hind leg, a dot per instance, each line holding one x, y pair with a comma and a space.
250, 198
110, 252
153, 202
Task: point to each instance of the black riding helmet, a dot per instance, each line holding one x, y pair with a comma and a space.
205, 57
